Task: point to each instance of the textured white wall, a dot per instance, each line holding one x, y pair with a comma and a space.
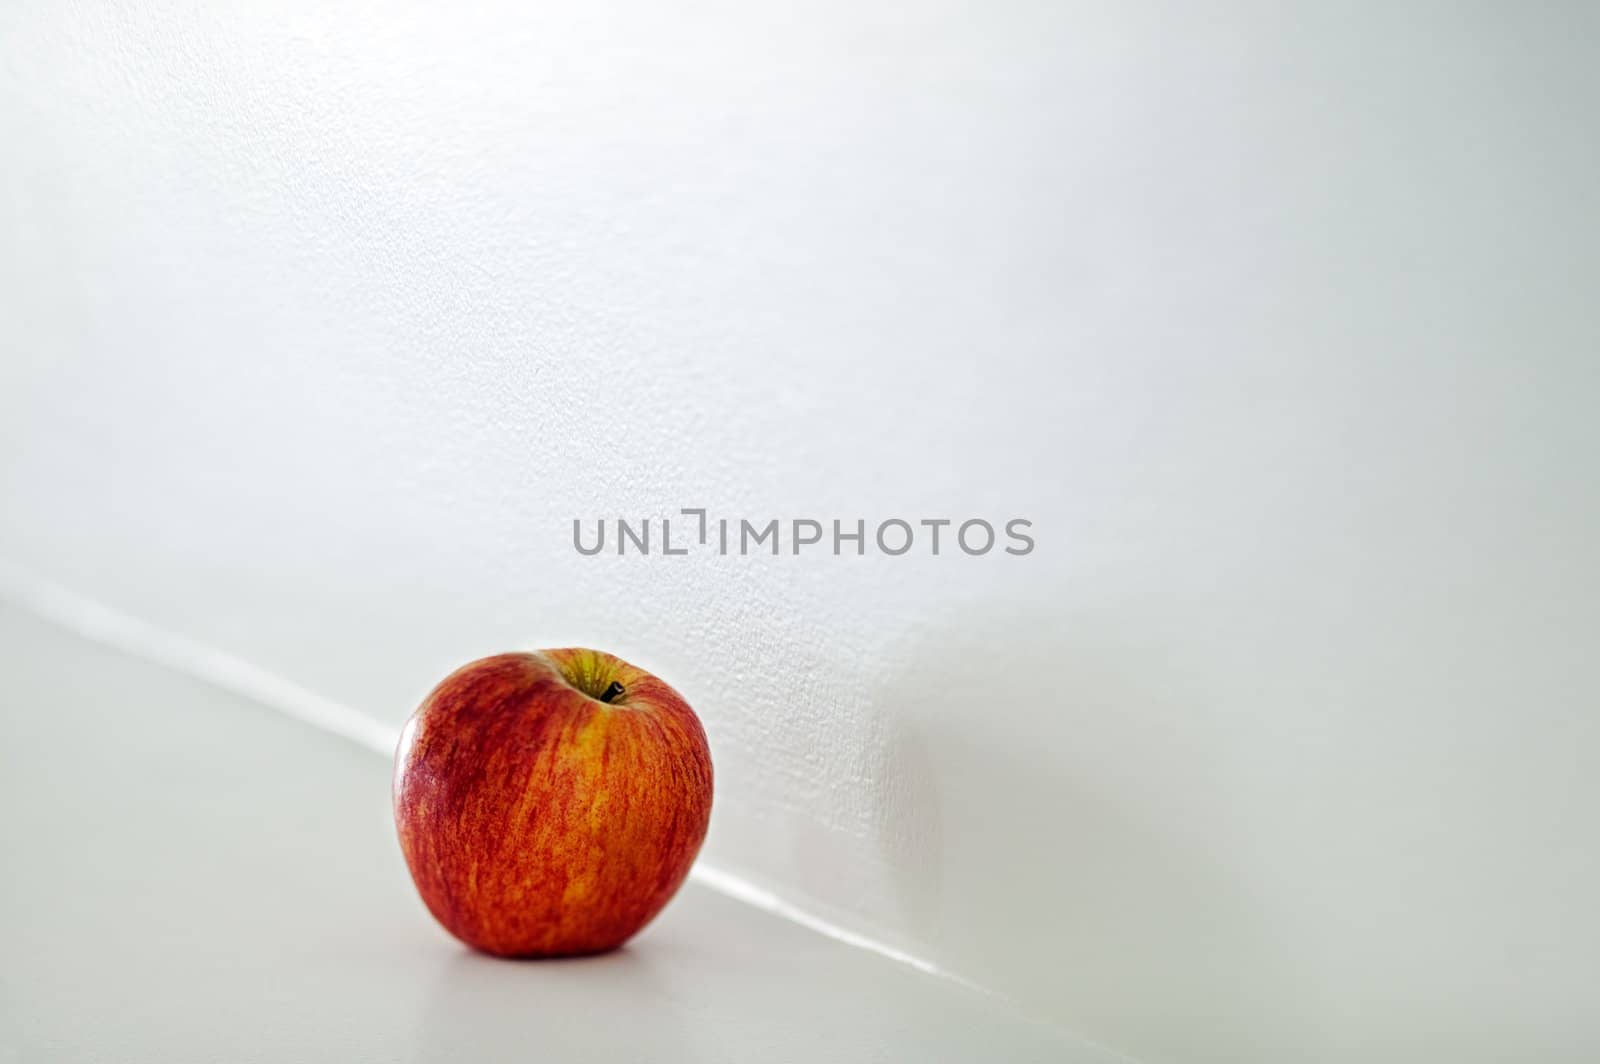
320, 326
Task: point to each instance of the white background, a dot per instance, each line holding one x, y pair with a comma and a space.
319, 326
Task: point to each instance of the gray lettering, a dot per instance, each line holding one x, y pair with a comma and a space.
904, 546
806, 541
860, 536
961, 535
701, 513
746, 528
624, 533
935, 523
666, 538
600, 531
1011, 531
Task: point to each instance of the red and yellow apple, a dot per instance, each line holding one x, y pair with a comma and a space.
551, 803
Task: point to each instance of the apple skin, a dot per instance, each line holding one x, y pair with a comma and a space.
538, 820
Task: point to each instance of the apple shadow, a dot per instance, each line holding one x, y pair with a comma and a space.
1034, 813
597, 1005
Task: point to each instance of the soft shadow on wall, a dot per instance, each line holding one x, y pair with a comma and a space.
1002, 814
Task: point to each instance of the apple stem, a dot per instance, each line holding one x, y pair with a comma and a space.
612, 693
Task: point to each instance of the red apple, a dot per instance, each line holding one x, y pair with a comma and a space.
551, 803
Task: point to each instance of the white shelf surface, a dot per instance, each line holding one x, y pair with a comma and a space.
188, 876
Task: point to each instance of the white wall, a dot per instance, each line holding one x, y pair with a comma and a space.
320, 326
